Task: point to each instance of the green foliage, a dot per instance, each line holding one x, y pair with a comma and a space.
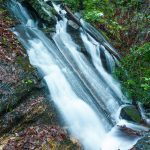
25, 64
93, 16
124, 22
27, 81
137, 82
72, 3
4, 40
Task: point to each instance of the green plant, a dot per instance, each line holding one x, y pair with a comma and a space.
27, 81
137, 80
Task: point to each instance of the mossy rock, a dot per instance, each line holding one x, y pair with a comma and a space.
130, 113
45, 11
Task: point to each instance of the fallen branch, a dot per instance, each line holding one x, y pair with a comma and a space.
77, 21
129, 131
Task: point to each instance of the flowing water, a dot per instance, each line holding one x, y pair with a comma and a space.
87, 96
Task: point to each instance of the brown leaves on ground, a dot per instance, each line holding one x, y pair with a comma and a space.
37, 138
9, 50
6, 21
9, 46
8, 75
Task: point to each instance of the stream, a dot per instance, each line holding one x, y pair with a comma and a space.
88, 98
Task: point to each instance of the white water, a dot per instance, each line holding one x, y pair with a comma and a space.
93, 49
25, 18
85, 68
82, 119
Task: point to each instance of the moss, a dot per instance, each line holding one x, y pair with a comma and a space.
130, 113
2, 1
25, 64
137, 80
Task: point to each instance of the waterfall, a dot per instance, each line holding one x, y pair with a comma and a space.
71, 106
85, 68
87, 96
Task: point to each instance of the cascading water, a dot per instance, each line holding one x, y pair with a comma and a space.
85, 68
93, 49
85, 94
25, 18
66, 100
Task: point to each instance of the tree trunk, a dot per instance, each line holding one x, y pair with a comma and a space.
77, 21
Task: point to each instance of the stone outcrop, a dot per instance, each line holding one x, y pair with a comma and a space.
130, 113
44, 11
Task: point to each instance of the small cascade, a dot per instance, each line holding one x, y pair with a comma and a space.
94, 49
25, 18
87, 96
73, 109
65, 43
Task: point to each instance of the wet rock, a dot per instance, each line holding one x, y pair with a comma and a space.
17, 76
144, 113
72, 25
130, 113
20, 1
36, 109
143, 143
49, 31
104, 61
44, 11
75, 32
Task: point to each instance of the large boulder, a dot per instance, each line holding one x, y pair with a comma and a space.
44, 11
130, 113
